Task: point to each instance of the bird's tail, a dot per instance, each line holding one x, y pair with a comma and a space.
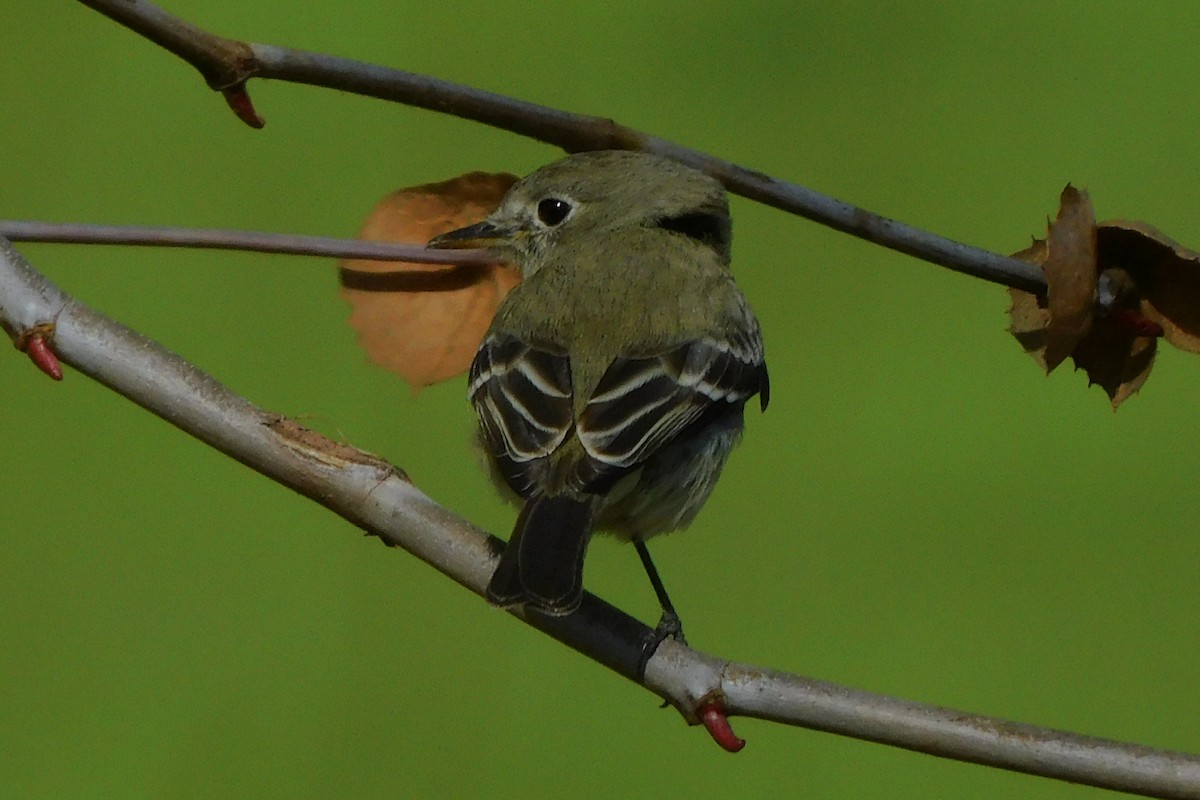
542, 566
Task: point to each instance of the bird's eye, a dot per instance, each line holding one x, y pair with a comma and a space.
552, 210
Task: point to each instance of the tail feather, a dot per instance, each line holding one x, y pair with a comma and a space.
542, 566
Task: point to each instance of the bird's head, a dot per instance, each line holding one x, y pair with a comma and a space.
598, 194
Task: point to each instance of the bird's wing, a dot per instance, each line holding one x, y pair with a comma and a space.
522, 395
642, 403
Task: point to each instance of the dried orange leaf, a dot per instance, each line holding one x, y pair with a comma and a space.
425, 321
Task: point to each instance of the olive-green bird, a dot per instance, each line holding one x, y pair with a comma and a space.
611, 383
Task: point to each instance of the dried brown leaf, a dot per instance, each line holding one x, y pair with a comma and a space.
1166, 274
425, 321
1115, 350
1115, 358
1028, 314
1070, 268
1049, 328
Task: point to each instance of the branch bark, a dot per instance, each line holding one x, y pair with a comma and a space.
378, 498
17, 230
227, 65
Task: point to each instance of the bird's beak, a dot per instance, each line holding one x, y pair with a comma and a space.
482, 234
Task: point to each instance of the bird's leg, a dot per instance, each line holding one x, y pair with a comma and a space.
669, 625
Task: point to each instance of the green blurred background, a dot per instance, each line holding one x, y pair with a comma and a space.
920, 513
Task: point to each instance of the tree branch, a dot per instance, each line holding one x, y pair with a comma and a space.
219, 239
228, 64
378, 498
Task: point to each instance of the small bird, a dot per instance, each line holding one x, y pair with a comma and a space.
611, 383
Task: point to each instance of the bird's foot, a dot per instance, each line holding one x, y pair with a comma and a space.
669, 627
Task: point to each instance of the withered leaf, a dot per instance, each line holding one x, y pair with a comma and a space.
1028, 315
1115, 358
1050, 327
1166, 274
425, 321
1116, 350
1070, 268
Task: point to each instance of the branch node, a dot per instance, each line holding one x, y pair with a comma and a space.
600, 133
716, 722
239, 101
35, 342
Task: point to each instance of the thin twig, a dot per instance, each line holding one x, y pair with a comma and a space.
316, 467
227, 65
377, 497
212, 238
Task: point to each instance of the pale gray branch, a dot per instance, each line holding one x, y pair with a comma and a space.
794, 700
378, 498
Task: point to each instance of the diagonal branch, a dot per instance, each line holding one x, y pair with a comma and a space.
378, 498
227, 65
